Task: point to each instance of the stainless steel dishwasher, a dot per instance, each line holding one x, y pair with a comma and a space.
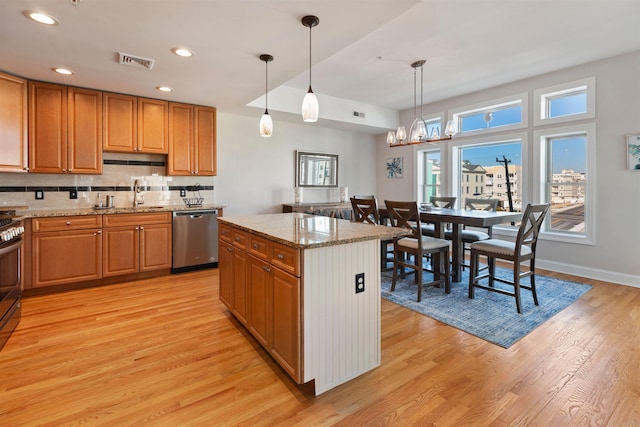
195, 240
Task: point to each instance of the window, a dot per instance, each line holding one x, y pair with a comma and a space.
488, 162
566, 157
429, 183
565, 102
502, 114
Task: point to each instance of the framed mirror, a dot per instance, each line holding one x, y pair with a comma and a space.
316, 169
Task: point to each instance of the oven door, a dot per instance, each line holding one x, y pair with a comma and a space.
10, 289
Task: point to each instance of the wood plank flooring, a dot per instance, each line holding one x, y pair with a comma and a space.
166, 352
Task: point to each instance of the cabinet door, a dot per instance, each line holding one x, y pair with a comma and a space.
240, 297
13, 124
84, 137
259, 316
155, 247
47, 128
153, 126
61, 257
286, 341
120, 122
180, 159
121, 248
205, 140
225, 276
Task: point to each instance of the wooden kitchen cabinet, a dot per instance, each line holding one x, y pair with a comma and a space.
192, 140
13, 124
66, 250
135, 243
260, 283
65, 129
153, 126
135, 125
120, 122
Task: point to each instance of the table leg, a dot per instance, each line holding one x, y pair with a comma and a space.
456, 254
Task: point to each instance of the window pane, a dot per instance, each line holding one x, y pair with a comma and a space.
491, 118
433, 128
431, 176
567, 184
487, 166
565, 105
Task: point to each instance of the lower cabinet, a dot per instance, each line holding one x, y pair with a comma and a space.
256, 286
66, 250
134, 243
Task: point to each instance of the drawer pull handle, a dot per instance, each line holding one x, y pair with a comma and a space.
267, 269
68, 222
237, 239
280, 256
229, 249
256, 246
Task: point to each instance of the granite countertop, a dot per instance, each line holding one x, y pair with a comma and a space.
117, 210
308, 231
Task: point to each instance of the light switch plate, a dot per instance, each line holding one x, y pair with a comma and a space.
39, 194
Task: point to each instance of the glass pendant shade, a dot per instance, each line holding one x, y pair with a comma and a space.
391, 138
310, 107
418, 130
266, 125
401, 134
451, 128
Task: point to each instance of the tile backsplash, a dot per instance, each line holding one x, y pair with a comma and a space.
119, 172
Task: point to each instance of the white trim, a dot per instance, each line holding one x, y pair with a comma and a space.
523, 97
539, 180
588, 272
540, 97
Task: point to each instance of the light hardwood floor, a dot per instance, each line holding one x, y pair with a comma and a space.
166, 352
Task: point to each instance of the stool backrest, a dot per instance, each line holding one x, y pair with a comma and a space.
443, 202
365, 210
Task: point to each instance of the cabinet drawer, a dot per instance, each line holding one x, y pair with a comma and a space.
226, 233
286, 258
117, 220
62, 223
260, 247
240, 239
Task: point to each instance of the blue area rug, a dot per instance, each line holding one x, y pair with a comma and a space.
490, 316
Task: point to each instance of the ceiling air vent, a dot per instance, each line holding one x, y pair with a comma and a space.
135, 61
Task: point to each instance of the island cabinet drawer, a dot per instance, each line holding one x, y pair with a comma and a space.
118, 220
240, 239
226, 233
260, 247
62, 223
286, 258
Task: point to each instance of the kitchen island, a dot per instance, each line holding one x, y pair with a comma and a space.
308, 289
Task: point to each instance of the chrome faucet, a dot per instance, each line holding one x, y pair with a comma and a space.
137, 200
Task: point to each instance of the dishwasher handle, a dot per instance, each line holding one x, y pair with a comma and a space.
195, 214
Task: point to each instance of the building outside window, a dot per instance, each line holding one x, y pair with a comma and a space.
429, 179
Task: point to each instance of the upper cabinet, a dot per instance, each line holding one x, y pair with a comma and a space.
135, 125
65, 129
13, 124
192, 140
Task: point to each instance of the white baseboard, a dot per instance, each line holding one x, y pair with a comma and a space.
591, 273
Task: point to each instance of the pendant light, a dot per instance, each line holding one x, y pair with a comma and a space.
418, 130
266, 124
310, 108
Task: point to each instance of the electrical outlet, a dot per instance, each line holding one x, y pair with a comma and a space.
39, 194
359, 283
73, 194
183, 193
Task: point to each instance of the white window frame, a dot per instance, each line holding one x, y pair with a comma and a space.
419, 154
541, 97
541, 138
456, 175
522, 98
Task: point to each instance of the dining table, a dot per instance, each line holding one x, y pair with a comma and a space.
459, 218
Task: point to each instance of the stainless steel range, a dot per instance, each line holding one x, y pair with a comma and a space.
11, 230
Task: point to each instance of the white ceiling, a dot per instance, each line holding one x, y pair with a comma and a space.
362, 49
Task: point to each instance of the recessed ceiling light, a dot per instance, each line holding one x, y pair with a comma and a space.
181, 51
40, 17
164, 88
64, 71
